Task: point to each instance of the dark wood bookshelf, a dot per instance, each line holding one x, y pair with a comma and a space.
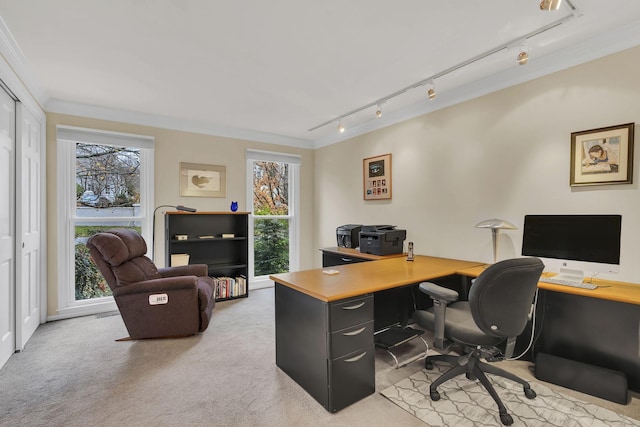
227, 258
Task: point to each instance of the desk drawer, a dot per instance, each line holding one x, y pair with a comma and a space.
351, 339
352, 378
330, 259
355, 311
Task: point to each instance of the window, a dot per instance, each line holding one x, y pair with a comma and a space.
273, 221
105, 179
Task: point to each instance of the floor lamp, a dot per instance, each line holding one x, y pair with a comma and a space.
496, 224
153, 232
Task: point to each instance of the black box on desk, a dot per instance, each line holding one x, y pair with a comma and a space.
348, 235
381, 239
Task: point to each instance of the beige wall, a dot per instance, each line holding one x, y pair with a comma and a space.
171, 148
503, 155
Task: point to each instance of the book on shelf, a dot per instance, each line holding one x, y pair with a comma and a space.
230, 287
228, 235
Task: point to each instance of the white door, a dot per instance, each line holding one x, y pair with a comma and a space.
28, 200
7, 227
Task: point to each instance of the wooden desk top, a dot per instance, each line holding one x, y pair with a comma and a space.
368, 277
606, 290
356, 253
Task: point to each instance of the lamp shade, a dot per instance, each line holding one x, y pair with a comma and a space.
496, 224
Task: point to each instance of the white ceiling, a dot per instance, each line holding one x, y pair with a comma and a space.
271, 70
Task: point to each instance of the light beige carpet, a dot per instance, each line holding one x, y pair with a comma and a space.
466, 403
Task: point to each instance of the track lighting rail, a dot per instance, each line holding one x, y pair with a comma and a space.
575, 13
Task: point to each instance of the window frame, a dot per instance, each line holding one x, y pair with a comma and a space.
67, 137
294, 162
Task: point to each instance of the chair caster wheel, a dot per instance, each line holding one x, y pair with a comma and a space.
470, 376
530, 393
435, 396
428, 365
506, 419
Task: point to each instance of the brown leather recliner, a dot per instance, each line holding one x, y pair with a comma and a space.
154, 303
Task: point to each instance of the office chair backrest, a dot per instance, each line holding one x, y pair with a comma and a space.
120, 257
501, 297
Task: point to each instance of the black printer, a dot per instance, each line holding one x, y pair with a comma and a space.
348, 235
381, 239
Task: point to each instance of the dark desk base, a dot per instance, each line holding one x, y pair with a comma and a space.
593, 331
328, 351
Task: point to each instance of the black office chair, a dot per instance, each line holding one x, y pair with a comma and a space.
499, 303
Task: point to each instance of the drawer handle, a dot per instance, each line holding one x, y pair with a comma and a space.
346, 259
352, 333
354, 307
356, 358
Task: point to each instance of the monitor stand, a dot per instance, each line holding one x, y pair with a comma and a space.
571, 275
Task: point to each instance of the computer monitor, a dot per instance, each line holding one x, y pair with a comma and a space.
574, 244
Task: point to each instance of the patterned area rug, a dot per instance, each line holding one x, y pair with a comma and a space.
467, 403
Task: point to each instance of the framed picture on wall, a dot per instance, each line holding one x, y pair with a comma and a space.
602, 156
377, 177
198, 180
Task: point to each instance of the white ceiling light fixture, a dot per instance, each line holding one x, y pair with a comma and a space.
550, 4
575, 13
340, 126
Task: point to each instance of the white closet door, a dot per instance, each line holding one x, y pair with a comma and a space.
28, 266
7, 227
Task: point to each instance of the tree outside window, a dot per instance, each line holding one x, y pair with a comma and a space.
107, 196
271, 217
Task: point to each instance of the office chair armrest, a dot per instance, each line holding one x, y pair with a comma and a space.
441, 298
439, 293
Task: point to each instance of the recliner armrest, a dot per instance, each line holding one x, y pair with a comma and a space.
165, 284
198, 270
160, 307
438, 292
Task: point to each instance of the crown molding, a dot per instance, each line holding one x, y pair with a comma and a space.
163, 122
15, 72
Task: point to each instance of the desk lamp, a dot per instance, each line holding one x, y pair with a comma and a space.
153, 232
496, 224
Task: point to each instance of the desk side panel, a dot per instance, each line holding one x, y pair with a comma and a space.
593, 331
301, 340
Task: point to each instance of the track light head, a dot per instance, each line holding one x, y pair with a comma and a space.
432, 93
523, 57
550, 4
523, 52
379, 111
340, 127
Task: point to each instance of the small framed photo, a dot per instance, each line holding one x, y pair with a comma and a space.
198, 180
377, 177
602, 156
